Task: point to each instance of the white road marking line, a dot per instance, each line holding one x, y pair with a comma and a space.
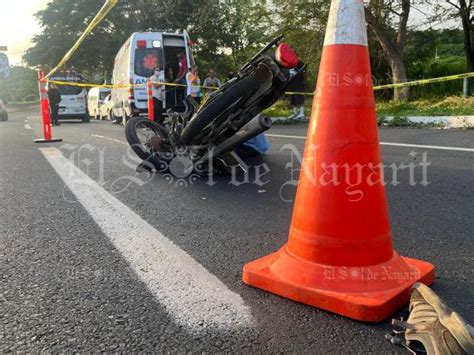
191, 295
284, 136
439, 147
27, 126
110, 139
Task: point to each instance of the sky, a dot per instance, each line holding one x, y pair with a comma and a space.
18, 26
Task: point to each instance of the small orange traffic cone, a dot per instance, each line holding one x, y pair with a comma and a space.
45, 112
339, 255
151, 104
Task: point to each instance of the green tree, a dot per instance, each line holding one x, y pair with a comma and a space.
464, 10
388, 20
21, 85
62, 22
303, 22
244, 28
228, 32
225, 31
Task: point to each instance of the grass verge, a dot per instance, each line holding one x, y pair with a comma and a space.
21, 104
448, 106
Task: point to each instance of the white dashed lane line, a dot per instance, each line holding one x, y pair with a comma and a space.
109, 139
192, 296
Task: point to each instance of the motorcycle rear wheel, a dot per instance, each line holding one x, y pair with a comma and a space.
242, 89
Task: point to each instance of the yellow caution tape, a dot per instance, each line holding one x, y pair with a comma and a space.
425, 81
380, 87
299, 93
95, 21
84, 85
182, 85
111, 86
408, 83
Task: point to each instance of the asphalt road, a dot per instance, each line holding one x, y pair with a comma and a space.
70, 284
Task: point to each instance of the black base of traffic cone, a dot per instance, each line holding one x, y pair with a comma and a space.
52, 140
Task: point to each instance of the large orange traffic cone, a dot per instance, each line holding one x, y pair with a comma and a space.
339, 255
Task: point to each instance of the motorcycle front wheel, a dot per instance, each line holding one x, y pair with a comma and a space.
146, 138
241, 89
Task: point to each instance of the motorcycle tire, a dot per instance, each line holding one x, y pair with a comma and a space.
134, 142
113, 118
242, 89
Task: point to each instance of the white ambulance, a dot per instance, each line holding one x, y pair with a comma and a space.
73, 98
95, 99
134, 64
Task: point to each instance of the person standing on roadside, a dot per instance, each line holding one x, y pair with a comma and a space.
297, 100
170, 91
158, 93
181, 76
54, 97
211, 82
193, 84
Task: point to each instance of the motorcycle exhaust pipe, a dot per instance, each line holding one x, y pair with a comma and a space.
255, 126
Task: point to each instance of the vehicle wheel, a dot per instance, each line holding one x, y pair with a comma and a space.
113, 118
241, 89
141, 134
86, 118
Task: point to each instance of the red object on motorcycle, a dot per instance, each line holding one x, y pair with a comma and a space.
286, 56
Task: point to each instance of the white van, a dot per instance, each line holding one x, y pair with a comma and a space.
134, 64
73, 98
95, 99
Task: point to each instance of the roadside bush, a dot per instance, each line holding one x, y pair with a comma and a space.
448, 106
30, 98
399, 122
21, 83
437, 68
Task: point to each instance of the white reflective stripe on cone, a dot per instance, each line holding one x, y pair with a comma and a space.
346, 24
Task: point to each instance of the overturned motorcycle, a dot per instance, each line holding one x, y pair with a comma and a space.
203, 139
